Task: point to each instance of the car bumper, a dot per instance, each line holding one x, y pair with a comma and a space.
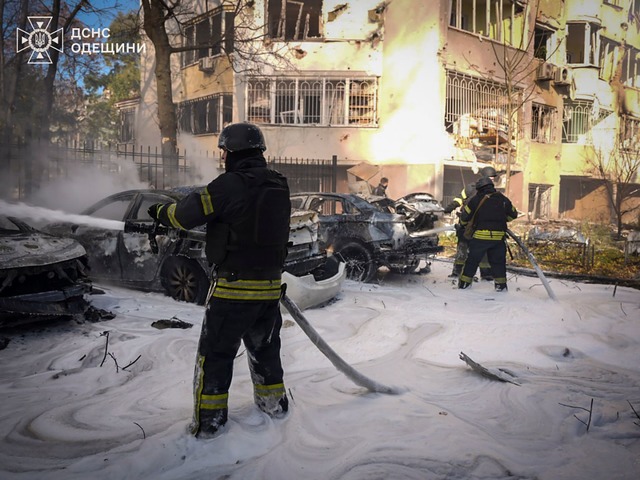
307, 292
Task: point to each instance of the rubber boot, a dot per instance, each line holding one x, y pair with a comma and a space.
211, 422
501, 287
462, 284
457, 270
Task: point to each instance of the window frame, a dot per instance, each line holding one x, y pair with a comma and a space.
328, 101
215, 27
205, 115
541, 132
286, 29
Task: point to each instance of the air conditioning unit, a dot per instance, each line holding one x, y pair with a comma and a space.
206, 64
563, 76
545, 71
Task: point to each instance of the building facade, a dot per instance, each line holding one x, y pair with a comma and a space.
429, 92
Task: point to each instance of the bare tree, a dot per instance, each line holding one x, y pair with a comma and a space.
618, 166
246, 47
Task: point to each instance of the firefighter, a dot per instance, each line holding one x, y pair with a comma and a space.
462, 246
246, 211
489, 210
381, 189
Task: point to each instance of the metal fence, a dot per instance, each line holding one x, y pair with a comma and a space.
24, 169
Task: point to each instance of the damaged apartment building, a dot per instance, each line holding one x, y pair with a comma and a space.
428, 92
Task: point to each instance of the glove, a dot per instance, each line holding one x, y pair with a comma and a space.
459, 230
154, 210
448, 209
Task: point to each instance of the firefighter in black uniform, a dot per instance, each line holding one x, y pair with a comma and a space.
247, 211
489, 210
462, 246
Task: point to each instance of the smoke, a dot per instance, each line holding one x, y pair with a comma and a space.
85, 185
204, 163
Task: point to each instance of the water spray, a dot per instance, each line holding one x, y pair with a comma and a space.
22, 210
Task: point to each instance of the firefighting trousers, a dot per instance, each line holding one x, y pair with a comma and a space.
462, 252
226, 324
496, 252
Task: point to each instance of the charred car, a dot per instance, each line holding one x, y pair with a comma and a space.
171, 261
367, 236
421, 210
41, 276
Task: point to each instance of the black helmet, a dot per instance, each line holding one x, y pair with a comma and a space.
483, 182
241, 136
488, 172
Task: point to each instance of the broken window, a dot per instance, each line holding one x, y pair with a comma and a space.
583, 43
208, 34
630, 133
543, 121
205, 115
478, 112
539, 201
501, 20
630, 75
577, 121
312, 101
545, 42
294, 19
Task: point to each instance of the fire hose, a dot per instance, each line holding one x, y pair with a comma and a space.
152, 230
533, 261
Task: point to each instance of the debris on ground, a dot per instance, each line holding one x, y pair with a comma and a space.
493, 373
173, 322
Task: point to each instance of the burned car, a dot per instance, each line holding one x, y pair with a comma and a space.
366, 237
421, 210
41, 276
178, 267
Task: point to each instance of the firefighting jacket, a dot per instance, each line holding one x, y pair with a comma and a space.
491, 217
465, 194
247, 211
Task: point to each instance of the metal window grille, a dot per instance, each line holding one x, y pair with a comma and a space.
312, 101
577, 121
482, 102
543, 122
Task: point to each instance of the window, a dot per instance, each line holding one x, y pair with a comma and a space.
205, 115
630, 133
313, 101
577, 121
206, 32
127, 125
583, 43
543, 121
477, 107
294, 19
539, 201
501, 20
631, 67
545, 43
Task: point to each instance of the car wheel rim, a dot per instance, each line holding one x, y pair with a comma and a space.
183, 283
355, 264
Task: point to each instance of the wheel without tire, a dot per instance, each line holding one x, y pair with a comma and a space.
184, 279
358, 260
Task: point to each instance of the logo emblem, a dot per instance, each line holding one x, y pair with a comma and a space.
39, 40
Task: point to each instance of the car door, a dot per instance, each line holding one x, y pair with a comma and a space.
102, 244
138, 263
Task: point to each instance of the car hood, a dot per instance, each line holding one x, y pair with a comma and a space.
36, 249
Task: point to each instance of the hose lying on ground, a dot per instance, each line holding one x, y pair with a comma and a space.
334, 358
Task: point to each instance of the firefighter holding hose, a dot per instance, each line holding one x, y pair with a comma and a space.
246, 211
